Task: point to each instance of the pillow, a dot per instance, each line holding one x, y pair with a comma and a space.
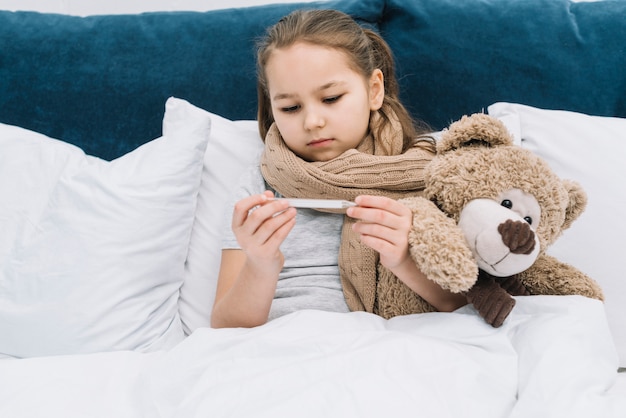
590, 150
233, 146
92, 252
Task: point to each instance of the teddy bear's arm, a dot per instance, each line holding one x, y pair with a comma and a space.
438, 247
549, 276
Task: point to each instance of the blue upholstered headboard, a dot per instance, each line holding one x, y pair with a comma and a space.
101, 82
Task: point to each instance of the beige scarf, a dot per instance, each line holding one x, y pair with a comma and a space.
376, 167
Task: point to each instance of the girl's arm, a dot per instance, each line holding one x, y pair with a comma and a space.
384, 226
247, 278
443, 300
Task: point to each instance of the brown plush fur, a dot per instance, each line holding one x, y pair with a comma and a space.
476, 158
438, 246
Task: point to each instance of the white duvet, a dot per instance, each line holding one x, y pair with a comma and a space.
554, 357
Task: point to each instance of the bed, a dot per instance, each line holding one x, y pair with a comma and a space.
121, 137
553, 358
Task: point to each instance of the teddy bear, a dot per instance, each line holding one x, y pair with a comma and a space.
488, 213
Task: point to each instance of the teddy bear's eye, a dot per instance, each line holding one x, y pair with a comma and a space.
528, 219
507, 203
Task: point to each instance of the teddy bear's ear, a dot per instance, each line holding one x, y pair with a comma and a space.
477, 129
577, 202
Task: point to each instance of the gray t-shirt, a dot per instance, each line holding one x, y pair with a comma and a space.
310, 276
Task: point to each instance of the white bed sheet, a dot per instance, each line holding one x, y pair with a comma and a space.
554, 357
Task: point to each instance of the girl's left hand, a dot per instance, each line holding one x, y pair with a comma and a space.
383, 224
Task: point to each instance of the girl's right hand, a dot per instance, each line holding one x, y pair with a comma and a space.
260, 225
248, 277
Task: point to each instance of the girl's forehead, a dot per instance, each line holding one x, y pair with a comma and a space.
305, 51
307, 61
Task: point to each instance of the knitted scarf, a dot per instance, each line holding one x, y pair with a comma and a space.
376, 167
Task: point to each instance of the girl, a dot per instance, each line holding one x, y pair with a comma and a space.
334, 128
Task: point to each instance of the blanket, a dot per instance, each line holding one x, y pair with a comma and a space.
553, 357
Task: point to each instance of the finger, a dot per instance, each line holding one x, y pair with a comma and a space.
380, 202
390, 255
278, 236
391, 236
376, 243
249, 216
383, 203
265, 240
244, 206
261, 205
372, 217
372, 229
271, 230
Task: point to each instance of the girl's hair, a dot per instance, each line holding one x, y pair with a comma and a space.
365, 49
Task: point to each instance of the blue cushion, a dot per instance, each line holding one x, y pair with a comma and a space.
101, 82
457, 57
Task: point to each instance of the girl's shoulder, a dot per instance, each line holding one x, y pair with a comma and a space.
252, 182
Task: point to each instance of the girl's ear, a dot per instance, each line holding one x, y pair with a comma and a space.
377, 89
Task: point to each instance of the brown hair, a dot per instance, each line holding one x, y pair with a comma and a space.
365, 49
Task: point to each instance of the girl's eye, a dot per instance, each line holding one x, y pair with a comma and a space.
332, 99
290, 109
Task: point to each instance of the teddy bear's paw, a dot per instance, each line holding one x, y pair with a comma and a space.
513, 285
492, 302
439, 248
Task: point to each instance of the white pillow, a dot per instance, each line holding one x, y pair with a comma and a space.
233, 146
590, 150
92, 252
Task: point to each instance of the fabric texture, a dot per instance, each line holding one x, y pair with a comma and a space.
92, 252
554, 358
377, 166
458, 57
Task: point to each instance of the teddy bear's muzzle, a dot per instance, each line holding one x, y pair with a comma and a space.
502, 242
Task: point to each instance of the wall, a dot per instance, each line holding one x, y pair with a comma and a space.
89, 7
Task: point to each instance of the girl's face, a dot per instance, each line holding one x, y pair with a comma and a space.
320, 105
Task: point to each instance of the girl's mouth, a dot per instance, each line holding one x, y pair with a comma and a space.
320, 142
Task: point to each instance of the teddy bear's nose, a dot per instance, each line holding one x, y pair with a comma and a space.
517, 236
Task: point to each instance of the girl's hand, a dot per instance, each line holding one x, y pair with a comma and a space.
260, 226
384, 226
248, 277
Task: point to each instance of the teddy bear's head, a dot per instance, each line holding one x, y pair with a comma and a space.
509, 203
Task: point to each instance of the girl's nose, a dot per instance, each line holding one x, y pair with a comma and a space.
313, 120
